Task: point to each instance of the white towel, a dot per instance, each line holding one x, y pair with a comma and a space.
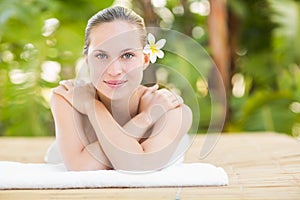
15, 175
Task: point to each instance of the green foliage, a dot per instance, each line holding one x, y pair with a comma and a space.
270, 37
24, 94
269, 63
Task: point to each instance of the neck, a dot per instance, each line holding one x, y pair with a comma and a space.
122, 109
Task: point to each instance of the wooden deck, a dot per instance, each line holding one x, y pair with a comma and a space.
259, 165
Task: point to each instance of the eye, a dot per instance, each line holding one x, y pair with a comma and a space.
127, 55
101, 56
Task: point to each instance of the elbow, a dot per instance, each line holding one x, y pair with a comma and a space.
82, 163
185, 121
85, 167
187, 117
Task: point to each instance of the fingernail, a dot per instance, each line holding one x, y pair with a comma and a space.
53, 90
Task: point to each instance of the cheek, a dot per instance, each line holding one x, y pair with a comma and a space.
135, 75
95, 66
133, 65
96, 71
136, 70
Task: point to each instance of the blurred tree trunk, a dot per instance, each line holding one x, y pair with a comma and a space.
220, 49
150, 16
151, 20
187, 27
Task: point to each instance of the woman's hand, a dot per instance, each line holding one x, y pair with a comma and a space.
157, 102
79, 94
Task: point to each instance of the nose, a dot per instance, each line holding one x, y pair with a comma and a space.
115, 68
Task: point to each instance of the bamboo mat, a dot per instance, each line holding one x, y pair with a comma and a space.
259, 166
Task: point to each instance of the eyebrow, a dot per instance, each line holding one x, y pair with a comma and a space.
131, 49
122, 51
100, 50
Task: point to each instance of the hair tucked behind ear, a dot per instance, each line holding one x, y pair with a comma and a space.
114, 13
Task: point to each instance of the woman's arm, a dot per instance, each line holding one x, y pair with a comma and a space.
152, 106
138, 125
76, 152
125, 152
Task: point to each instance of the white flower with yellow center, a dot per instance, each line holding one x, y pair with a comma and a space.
154, 49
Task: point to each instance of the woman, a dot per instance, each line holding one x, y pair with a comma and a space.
114, 122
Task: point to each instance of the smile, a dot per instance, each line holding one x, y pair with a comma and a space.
115, 83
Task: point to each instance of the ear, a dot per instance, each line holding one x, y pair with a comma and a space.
146, 60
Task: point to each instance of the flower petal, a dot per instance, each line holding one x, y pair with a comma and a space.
153, 58
160, 54
151, 38
147, 49
160, 43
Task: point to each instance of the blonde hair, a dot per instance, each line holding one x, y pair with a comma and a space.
114, 13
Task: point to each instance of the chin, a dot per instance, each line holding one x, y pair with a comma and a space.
113, 94
117, 93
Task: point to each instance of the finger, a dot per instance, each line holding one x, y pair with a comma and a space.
68, 84
175, 104
150, 90
164, 90
154, 87
60, 90
179, 99
171, 96
174, 96
165, 93
79, 82
70, 81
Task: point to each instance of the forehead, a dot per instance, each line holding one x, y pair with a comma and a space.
111, 36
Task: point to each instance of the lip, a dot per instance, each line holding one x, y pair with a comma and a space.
115, 83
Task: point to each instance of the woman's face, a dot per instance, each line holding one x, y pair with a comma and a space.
115, 58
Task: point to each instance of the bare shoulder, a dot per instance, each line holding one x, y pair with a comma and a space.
181, 116
187, 110
57, 101
68, 119
184, 113
188, 115
61, 110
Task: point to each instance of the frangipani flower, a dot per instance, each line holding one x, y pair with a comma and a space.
153, 48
